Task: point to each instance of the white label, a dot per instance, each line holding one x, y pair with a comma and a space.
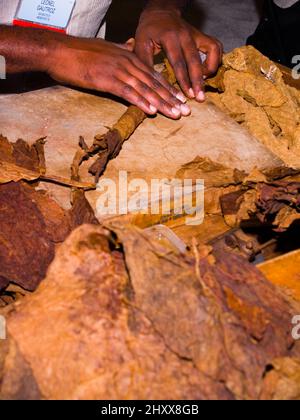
55, 13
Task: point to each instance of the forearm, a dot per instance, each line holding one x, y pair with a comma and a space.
27, 49
175, 5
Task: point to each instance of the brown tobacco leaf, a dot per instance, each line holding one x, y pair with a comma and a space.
252, 91
167, 327
10, 172
19, 161
286, 217
30, 157
110, 145
214, 174
282, 381
276, 203
26, 249
107, 146
274, 199
31, 224
23, 155
81, 211
81, 155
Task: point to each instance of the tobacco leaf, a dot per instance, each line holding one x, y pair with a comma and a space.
110, 145
31, 224
20, 161
23, 155
275, 203
11, 172
79, 157
81, 211
214, 174
252, 90
107, 146
282, 382
274, 199
26, 249
30, 157
136, 340
286, 217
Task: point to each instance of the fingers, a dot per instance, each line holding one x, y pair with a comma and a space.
195, 67
174, 52
155, 89
155, 94
213, 49
152, 74
144, 49
214, 58
128, 93
163, 90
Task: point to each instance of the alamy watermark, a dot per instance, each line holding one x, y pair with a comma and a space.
296, 68
169, 198
2, 328
296, 328
2, 68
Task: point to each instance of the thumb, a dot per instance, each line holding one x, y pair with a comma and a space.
145, 52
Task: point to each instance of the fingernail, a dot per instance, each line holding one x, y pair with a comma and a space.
204, 77
185, 110
153, 109
180, 96
176, 112
201, 96
191, 93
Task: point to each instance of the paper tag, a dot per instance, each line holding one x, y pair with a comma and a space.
49, 14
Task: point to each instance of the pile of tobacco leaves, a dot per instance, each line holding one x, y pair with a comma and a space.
107, 312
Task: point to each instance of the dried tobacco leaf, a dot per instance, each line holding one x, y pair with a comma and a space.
110, 145
282, 381
24, 155
26, 249
19, 161
81, 211
214, 174
30, 157
107, 146
31, 223
136, 341
10, 172
252, 90
275, 203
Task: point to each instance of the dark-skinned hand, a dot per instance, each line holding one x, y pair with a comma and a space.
166, 30
107, 67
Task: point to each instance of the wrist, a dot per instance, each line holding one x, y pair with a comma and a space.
153, 14
52, 51
169, 6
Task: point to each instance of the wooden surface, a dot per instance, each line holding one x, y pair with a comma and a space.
284, 272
